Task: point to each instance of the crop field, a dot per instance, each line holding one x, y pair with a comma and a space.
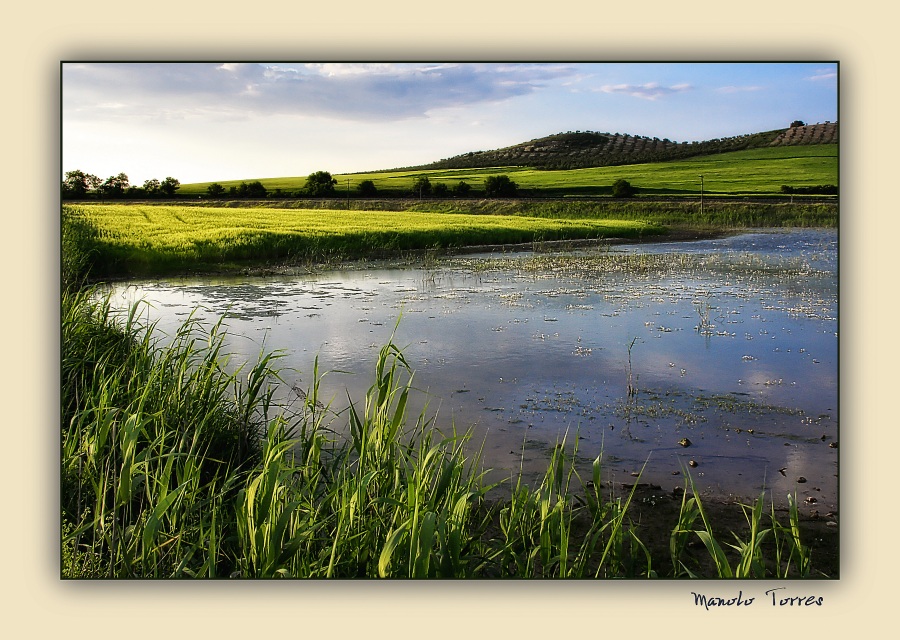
133, 238
750, 172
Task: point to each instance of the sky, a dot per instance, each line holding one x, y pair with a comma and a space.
217, 121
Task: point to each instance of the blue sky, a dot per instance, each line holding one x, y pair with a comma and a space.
224, 121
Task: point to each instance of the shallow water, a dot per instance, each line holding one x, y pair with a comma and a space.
732, 343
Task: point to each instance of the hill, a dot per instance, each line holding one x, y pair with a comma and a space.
585, 149
751, 172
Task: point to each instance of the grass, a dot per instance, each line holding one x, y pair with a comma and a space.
139, 239
118, 239
751, 172
786, 557
173, 466
673, 214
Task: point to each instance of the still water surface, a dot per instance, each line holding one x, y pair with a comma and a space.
733, 344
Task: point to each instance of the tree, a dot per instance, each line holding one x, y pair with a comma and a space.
253, 189
115, 186
215, 190
441, 190
422, 187
320, 184
462, 188
499, 186
151, 187
366, 188
78, 183
798, 123
622, 189
169, 186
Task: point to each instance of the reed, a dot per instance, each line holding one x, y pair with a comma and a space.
175, 464
768, 548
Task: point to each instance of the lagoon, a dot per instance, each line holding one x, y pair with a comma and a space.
728, 344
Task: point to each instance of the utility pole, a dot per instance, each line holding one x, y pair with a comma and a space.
348, 194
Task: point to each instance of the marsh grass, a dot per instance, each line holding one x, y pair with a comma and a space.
175, 464
681, 213
767, 549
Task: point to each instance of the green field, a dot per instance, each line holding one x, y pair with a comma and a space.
750, 172
140, 238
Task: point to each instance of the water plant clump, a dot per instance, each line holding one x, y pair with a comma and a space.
175, 465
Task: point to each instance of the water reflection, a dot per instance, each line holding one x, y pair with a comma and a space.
734, 346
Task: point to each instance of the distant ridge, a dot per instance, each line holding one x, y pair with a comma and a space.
582, 149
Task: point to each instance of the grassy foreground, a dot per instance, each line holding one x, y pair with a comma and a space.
171, 467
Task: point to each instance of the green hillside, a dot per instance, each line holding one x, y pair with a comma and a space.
584, 149
752, 172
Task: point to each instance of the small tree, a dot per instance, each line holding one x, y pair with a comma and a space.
462, 188
215, 190
499, 187
422, 187
253, 189
115, 186
366, 189
320, 184
78, 184
798, 123
622, 189
441, 190
169, 186
151, 188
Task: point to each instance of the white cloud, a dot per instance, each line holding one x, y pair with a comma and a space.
824, 75
734, 89
363, 92
646, 91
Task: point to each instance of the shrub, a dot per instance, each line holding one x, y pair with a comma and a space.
422, 187
499, 186
441, 190
319, 184
366, 188
462, 188
622, 189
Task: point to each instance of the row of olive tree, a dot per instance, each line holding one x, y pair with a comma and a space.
78, 185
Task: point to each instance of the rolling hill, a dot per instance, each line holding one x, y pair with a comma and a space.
587, 163
585, 149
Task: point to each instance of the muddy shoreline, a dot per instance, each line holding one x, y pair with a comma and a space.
655, 512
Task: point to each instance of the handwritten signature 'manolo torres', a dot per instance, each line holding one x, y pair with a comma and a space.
778, 600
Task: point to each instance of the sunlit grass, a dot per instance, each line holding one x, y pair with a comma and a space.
134, 238
750, 172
